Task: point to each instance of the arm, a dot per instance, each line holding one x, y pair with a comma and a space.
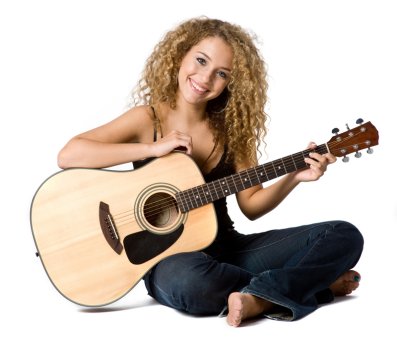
127, 138
257, 201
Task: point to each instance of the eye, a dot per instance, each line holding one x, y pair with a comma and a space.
201, 61
222, 74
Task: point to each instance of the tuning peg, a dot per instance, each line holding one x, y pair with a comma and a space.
345, 159
347, 127
359, 121
370, 151
358, 153
335, 131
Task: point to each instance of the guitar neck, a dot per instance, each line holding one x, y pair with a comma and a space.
209, 192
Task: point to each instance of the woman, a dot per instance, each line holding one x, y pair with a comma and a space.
203, 91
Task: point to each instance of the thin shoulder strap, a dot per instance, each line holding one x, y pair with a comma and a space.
212, 151
156, 125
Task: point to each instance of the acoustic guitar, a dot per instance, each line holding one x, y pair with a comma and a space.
98, 232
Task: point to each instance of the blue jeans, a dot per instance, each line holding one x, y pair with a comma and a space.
293, 268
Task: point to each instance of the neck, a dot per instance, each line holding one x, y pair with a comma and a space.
209, 192
191, 113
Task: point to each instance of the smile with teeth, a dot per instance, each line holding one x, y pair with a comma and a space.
197, 88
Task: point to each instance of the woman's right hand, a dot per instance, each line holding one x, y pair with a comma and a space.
172, 141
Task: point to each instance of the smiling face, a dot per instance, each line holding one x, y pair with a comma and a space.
205, 71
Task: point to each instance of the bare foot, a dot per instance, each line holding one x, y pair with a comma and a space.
243, 306
346, 283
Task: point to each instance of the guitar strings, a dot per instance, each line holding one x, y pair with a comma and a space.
157, 207
211, 190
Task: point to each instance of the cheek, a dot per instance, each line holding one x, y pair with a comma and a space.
187, 69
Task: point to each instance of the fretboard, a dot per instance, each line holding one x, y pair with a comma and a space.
209, 192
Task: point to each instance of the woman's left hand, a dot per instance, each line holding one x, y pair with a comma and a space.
318, 165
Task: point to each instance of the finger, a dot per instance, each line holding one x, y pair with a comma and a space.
314, 161
184, 143
323, 160
184, 148
179, 137
316, 156
318, 166
311, 145
331, 158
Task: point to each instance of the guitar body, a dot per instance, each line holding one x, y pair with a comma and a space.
92, 227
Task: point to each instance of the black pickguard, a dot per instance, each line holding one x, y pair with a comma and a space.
142, 246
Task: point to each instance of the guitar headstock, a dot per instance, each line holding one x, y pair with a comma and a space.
353, 140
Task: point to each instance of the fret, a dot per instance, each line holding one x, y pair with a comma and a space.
271, 173
233, 189
189, 201
279, 168
179, 202
301, 159
282, 161
197, 198
241, 180
185, 202
218, 188
249, 178
215, 190
224, 187
189, 196
263, 173
205, 193
236, 189
245, 179
254, 179
258, 176
293, 162
322, 149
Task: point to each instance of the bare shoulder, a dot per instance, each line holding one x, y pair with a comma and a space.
139, 121
131, 126
138, 115
142, 113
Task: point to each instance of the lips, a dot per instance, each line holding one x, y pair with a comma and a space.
197, 88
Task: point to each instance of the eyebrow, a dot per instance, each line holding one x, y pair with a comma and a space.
225, 68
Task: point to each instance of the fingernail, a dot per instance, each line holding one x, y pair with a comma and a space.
356, 278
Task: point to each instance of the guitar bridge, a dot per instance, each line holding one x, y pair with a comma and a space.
108, 228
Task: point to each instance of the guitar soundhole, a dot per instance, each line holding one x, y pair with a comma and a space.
160, 210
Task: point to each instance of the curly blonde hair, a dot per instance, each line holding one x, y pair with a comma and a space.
237, 116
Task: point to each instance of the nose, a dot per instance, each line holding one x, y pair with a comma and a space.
206, 76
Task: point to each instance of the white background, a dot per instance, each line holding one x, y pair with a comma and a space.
67, 66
